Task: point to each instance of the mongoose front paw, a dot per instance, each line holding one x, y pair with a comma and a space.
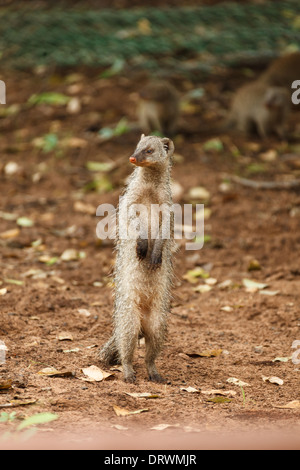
141, 249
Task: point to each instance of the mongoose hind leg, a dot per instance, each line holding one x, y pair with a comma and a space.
154, 338
127, 334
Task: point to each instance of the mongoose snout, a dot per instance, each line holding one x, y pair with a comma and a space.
141, 158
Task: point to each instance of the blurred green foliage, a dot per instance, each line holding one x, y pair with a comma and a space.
144, 36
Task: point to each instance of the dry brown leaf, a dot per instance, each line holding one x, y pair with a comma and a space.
225, 393
65, 336
14, 403
124, 412
142, 395
52, 372
206, 353
235, 381
5, 385
190, 389
292, 405
202, 288
119, 427
84, 208
10, 234
273, 380
163, 426
74, 142
95, 374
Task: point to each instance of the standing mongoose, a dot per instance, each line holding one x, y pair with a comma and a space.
158, 108
262, 108
283, 71
143, 267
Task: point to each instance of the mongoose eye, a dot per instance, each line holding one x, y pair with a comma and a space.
149, 151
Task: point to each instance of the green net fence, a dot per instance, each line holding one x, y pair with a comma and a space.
177, 37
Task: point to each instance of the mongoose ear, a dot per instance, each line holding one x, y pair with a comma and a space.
142, 136
168, 145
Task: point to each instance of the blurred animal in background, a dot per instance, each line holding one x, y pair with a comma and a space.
283, 71
258, 107
264, 105
159, 108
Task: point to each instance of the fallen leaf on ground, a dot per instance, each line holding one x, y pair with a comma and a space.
202, 288
124, 412
273, 380
211, 281
253, 286
95, 374
119, 427
8, 216
84, 312
214, 145
52, 372
205, 353
162, 427
74, 350
74, 142
10, 234
235, 381
194, 274
219, 399
11, 168
254, 265
282, 359
51, 98
229, 393
71, 255
226, 308
292, 405
190, 389
25, 222
142, 395
14, 403
14, 282
39, 418
65, 336
226, 284
199, 193
84, 208
5, 385
271, 293
100, 166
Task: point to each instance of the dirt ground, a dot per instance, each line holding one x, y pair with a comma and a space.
58, 313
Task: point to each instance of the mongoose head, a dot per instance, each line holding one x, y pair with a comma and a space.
277, 98
152, 151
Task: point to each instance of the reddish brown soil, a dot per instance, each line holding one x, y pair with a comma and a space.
245, 224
